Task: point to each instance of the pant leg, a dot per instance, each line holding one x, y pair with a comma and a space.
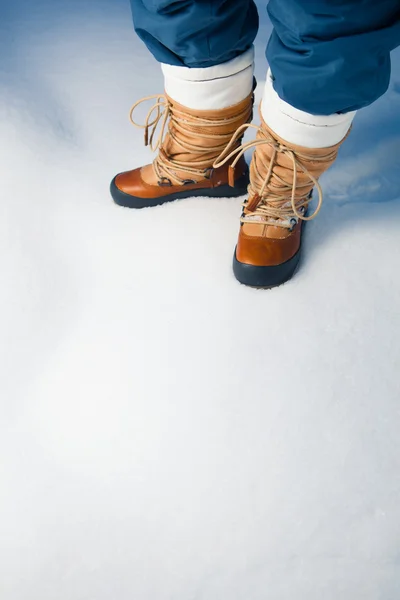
330, 56
195, 33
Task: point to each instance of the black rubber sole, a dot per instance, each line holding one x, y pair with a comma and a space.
265, 277
222, 191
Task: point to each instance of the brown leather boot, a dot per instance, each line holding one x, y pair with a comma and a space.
282, 177
188, 144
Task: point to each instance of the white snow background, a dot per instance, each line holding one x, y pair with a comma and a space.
165, 433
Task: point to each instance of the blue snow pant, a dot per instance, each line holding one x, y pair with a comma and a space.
326, 56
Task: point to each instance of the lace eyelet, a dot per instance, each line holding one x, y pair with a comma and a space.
164, 182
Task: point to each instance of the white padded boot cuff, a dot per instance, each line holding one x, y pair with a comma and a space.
301, 128
211, 88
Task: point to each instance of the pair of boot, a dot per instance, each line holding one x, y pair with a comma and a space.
200, 153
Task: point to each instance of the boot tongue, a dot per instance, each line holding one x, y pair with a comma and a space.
255, 202
265, 230
259, 226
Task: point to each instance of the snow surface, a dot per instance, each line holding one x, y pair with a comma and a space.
165, 433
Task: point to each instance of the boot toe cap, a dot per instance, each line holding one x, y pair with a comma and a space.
266, 262
129, 182
128, 189
263, 251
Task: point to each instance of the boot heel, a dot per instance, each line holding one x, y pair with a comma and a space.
241, 185
226, 191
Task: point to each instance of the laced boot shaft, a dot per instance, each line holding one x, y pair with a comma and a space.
188, 141
282, 177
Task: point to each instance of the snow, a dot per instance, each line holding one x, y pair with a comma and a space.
165, 433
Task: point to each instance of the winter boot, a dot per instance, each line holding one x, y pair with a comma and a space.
282, 177
197, 117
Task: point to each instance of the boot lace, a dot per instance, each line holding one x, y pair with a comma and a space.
287, 205
187, 133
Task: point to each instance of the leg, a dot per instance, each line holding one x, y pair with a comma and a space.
328, 58
195, 33
205, 47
